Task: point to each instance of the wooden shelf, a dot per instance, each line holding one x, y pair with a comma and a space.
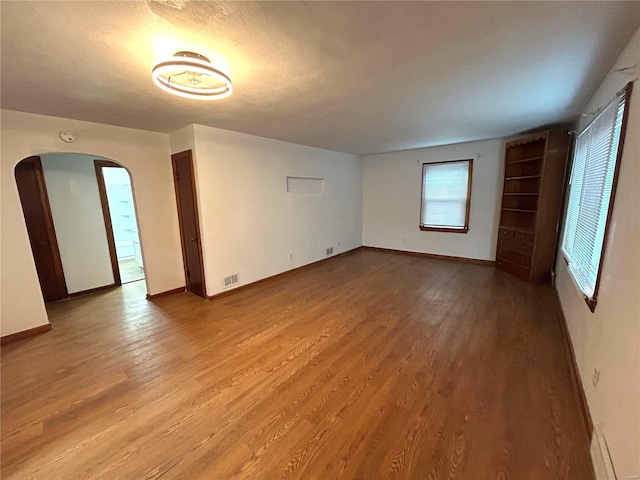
531, 204
523, 177
524, 210
535, 137
517, 229
524, 160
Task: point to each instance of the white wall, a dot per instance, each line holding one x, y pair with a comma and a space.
78, 220
392, 185
249, 223
183, 140
146, 156
610, 337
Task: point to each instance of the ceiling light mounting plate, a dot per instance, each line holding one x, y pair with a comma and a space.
195, 55
191, 75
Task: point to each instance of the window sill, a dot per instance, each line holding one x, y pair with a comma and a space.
444, 229
591, 302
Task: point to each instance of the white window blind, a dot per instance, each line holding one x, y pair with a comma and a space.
445, 187
590, 190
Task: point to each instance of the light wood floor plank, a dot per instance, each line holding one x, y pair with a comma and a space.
371, 365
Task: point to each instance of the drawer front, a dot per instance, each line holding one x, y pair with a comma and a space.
516, 245
515, 270
521, 259
505, 233
524, 236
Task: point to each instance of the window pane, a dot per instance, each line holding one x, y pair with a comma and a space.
590, 190
444, 190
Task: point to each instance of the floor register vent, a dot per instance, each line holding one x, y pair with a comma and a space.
230, 280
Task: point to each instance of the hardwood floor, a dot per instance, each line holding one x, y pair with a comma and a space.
372, 365
130, 270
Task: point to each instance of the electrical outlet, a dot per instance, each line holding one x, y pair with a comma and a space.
330, 251
291, 257
596, 377
338, 244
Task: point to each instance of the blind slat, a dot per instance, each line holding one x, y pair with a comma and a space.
590, 188
444, 194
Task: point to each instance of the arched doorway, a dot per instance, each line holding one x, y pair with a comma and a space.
71, 221
118, 208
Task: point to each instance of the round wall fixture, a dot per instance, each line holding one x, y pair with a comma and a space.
191, 75
66, 136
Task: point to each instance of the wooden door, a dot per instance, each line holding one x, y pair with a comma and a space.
106, 213
42, 236
189, 226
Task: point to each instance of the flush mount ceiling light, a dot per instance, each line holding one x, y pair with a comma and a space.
191, 75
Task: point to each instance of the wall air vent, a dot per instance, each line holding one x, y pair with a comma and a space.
305, 185
230, 280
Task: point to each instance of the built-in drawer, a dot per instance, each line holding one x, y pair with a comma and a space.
512, 256
515, 270
516, 245
505, 233
524, 236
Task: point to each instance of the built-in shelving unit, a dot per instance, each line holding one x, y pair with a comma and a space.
531, 203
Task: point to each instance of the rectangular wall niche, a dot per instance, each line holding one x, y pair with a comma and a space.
305, 184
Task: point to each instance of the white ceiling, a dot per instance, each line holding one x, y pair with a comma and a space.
358, 77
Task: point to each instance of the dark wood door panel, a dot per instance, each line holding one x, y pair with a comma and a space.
106, 213
184, 181
42, 237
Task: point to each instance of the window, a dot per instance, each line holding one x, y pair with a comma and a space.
446, 196
596, 160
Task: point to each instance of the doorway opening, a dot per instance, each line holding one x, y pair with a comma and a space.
116, 197
81, 220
